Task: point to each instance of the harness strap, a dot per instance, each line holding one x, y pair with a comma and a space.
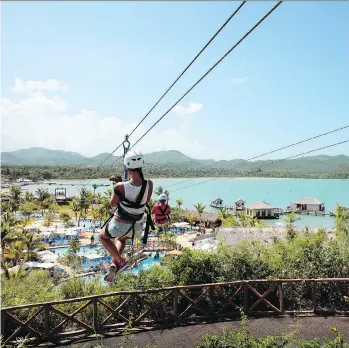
149, 224
163, 214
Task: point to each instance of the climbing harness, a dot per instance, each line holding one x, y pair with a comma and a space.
163, 214
125, 203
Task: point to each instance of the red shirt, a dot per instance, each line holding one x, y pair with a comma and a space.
161, 212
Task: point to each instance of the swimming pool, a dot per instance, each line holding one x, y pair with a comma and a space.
145, 264
85, 249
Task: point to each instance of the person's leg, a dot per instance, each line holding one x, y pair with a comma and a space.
120, 244
110, 246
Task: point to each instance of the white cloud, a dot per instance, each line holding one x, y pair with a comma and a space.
190, 109
238, 80
30, 86
39, 120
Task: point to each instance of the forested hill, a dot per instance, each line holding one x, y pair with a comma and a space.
41, 163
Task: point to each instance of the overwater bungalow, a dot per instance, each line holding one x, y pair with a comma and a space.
262, 210
308, 204
217, 202
239, 205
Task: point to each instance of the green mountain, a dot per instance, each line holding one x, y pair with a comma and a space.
41, 156
176, 164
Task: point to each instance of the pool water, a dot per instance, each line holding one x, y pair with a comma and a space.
147, 263
85, 249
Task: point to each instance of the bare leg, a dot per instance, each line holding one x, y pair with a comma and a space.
120, 245
113, 249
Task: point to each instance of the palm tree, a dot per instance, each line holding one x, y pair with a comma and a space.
15, 252
95, 186
15, 195
27, 209
179, 203
290, 219
8, 222
98, 198
199, 208
159, 190
32, 242
94, 195
191, 219
167, 194
29, 197
48, 219
6, 231
223, 213
75, 206
244, 219
42, 194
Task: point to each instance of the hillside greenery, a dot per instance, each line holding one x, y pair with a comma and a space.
40, 173
301, 255
43, 164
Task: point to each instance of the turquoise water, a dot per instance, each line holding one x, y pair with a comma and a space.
145, 264
278, 192
83, 249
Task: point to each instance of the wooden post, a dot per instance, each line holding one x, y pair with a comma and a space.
2, 323
313, 296
47, 320
246, 298
95, 315
281, 298
175, 303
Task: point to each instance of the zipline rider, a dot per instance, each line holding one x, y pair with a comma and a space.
130, 198
162, 212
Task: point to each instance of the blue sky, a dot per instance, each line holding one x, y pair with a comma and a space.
110, 61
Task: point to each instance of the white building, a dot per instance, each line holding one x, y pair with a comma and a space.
261, 210
308, 204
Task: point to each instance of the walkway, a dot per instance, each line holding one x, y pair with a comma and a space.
187, 336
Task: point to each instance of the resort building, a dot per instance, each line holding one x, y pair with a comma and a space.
239, 205
261, 210
308, 204
217, 202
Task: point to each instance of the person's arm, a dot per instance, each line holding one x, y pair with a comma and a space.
114, 199
150, 190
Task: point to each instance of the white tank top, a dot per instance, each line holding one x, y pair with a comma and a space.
131, 193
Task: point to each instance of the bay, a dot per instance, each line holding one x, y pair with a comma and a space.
278, 192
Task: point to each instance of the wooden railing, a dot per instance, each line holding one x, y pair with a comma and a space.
52, 321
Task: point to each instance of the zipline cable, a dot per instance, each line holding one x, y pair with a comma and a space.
177, 79
270, 152
208, 71
259, 166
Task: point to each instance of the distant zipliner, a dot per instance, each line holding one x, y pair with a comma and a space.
161, 211
131, 199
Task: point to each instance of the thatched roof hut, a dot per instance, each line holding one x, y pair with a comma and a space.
207, 218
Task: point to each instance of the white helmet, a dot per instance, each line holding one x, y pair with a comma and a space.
162, 197
133, 159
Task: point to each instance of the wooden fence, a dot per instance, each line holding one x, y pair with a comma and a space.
161, 308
